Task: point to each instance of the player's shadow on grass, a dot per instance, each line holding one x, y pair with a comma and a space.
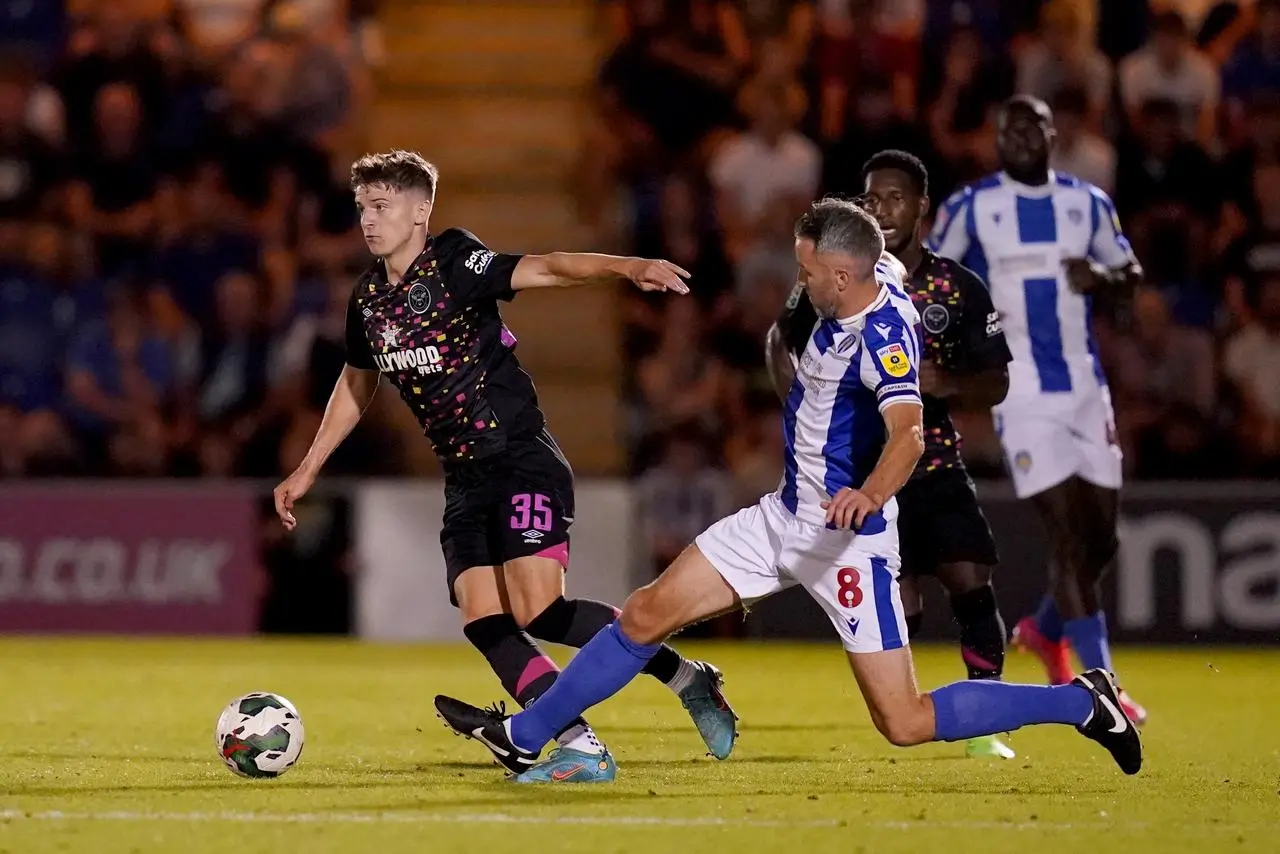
55, 755
552, 795
447, 765
293, 783
707, 761
610, 730
511, 796
839, 757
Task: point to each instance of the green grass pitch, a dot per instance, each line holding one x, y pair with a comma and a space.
107, 747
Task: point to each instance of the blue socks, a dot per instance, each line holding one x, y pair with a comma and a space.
600, 669
1048, 620
1088, 637
982, 707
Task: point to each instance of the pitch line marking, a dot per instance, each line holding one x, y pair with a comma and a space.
15, 815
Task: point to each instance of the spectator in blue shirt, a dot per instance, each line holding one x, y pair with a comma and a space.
1254, 68
119, 373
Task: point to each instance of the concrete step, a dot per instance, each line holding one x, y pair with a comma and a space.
497, 43
586, 420
459, 23
488, 139
570, 333
511, 222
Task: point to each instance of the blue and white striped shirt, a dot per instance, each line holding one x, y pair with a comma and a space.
1017, 237
850, 371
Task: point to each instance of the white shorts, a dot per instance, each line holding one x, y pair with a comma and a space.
1050, 438
763, 549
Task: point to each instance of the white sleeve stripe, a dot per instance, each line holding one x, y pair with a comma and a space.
900, 398
912, 393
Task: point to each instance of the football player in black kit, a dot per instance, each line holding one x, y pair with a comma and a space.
426, 317
942, 530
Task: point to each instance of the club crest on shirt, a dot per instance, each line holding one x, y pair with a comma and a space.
1022, 461
846, 343
894, 360
935, 318
419, 298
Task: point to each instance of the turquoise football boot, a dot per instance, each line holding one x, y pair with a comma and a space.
565, 765
705, 702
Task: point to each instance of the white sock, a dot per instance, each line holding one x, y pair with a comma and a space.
684, 676
581, 738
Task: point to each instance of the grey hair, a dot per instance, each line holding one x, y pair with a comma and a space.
841, 226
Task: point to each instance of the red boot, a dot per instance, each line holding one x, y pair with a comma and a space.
1027, 637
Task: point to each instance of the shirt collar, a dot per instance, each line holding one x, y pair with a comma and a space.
1028, 191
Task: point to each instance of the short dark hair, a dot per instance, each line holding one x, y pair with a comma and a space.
400, 170
839, 225
903, 161
1031, 104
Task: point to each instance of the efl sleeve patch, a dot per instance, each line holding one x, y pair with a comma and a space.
894, 360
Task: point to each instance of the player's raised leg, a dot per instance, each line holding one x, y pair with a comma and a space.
1098, 506
856, 584
1080, 520
492, 626
1043, 458
689, 590
535, 512
531, 583
698, 684
964, 710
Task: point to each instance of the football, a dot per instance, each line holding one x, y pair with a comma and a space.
259, 735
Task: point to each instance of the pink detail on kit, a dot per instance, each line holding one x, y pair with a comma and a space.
560, 552
539, 666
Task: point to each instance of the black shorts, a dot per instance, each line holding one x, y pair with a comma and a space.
940, 521
514, 504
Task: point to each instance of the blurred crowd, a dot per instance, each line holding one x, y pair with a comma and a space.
719, 120
177, 242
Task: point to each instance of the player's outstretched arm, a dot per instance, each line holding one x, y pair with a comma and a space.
904, 443
1110, 268
570, 269
352, 394
1090, 277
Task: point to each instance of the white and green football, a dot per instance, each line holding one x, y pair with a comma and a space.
259, 735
